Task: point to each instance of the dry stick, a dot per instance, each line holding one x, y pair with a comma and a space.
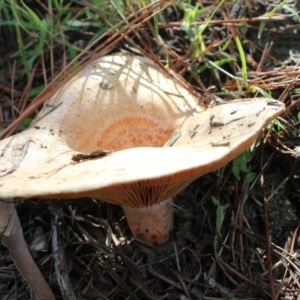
267, 231
26, 91
13, 238
60, 264
239, 220
110, 270
285, 94
295, 235
241, 276
224, 22
264, 57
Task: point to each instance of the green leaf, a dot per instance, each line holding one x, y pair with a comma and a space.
215, 201
295, 91
220, 214
266, 94
36, 90
36, 20
250, 176
218, 63
292, 11
261, 29
277, 126
25, 123
240, 164
243, 59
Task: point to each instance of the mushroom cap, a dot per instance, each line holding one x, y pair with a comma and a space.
124, 132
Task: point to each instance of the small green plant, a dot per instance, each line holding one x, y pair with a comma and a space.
193, 31
239, 165
243, 59
41, 31
220, 214
277, 127
265, 93
25, 123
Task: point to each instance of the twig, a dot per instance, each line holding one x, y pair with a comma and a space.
267, 230
295, 235
60, 264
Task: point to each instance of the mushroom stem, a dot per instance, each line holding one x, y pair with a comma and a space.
151, 223
13, 238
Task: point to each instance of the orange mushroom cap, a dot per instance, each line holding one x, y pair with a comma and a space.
124, 132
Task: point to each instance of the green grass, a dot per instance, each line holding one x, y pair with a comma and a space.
39, 32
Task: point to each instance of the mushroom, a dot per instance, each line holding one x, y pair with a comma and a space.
124, 132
